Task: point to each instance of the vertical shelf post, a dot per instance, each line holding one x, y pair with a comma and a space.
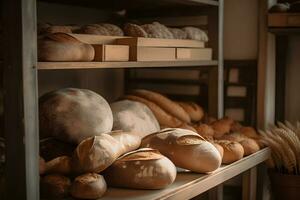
220, 60
20, 100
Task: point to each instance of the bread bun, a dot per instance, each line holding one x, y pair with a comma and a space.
59, 165
219, 148
221, 127
177, 143
250, 146
162, 116
163, 30
165, 103
233, 151
194, 33
58, 29
72, 115
51, 148
96, 153
195, 112
42, 166
113, 30
61, 47
205, 130
94, 29
55, 186
88, 186
141, 169
134, 117
249, 132
134, 30
234, 137
178, 33
235, 126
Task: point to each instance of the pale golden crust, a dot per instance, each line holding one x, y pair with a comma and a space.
233, 151
134, 30
195, 111
250, 146
205, 130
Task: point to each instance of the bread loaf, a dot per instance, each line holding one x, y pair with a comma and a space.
112, 29
71, 115
234, 137
250, 146
221, 127
249, 132
233, 151
165, 103
162, 117
96, 153
176, 144
58, 29
59, 165
42, 166
141, 169
60, 47
194, 33
205, 131
219, 148
95, 29
55, 186
134, 30
235, 127
195, 112
134, 117
164, 31
178, 33
88, 186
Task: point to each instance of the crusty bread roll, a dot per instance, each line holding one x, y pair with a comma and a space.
59, 165
219, 148
194, 33
51, 148
205, 130
195, 112
186, 126
88, 186
94, 29
250, 146
42, 166
141, 169
178, 33
234, 137
134, 117
165, 103
249, 132
72, 114
158, 28
60, 47
55, 186
233, 151
235, 126
162, 117
96, 153
221, 127
112, 29
134, 30
208, 119
177, 143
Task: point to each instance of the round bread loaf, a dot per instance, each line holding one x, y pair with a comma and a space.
94, 29
221, 127
60, 47
59, 165
165, 103
235, 126
162, 117
249, 132
195, 112
234, 137
233, 151
177, 143
58, 29
178, 33
279, 8
152, 31
42, 166
55, 186
134, 117
194, 33
250, 146
96, 153
134, 30
165, 32
88, 186
51, 148
72, 115
205, 130
141, 169
113, 29
219, 148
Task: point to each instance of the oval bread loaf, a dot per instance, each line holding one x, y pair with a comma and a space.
60, 47
177, 143
195, 112
194, 33
72, 114
250, 146
141, 169
205, 131
233, 151
221, 127
134, 117
59, 165
88, 186
165, 103
134, 30
55, 186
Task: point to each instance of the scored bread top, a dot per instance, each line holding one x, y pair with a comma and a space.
141, 154
62, 37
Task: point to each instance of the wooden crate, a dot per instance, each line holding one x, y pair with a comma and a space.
155, 42
193, 53
152, 54
284, 20
97, 39
111, 52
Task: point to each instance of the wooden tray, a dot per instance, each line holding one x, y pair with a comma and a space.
104, 53
155, 42
193, 53
284, 20
97, 39
152, 54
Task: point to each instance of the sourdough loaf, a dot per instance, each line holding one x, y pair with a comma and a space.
233, 151
165, 103
134, 30
250, 146
194, 33
141, 169
195, 112
55, 186
221, 127
71, 115
59, 165
60, 47
96, 153
88, 186
177, 143
134, 117
178, 33
205, 131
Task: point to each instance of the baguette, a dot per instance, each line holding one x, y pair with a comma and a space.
162, 117
195, 112
165, 103
59, 165
96, 153
177, 143
88, 186
141, 169
61, 47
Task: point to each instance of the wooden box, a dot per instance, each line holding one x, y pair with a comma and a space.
111, 52
193, 54
284, 20
155, 42
152, 54
96, 39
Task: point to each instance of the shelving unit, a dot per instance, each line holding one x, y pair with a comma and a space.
21, 100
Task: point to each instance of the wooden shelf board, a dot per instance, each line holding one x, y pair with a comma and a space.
188, 185
285, 31
100, 65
